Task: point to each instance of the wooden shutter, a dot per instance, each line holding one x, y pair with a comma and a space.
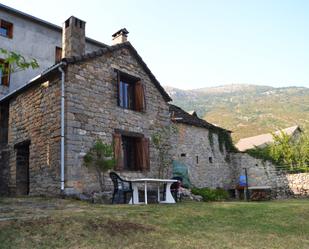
139, 154
118, 151
118, 88
10, 30
139, 96
58, 54
6, 74
145, 150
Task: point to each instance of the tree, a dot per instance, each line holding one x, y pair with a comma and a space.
16, 62
287, 152
100, 158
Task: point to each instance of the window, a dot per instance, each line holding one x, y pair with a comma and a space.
131, 152
4, 73
210, 159
183, 154
196, 158
58, 54
130, 92
6, 29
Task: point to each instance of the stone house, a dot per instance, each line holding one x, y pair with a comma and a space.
204, 148
96, 91
48, 125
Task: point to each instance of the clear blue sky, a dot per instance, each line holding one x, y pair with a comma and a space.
193, 44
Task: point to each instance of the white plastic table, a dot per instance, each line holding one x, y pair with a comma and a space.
168, 195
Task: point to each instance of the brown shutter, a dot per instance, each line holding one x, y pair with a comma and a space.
6, 75
146, 160
58, 54
139, 154
118, 151
10, 30
118, 88
139, 96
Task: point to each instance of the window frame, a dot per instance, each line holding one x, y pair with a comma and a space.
127, 83
140, 151
8, 26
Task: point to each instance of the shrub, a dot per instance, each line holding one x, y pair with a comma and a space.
211, 194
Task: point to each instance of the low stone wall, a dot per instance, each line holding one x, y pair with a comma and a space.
299, 184
264, 173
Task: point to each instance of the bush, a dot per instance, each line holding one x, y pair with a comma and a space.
211, 194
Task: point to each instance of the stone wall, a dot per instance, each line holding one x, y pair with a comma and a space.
207, 165
264, 173
92, 112
35, 117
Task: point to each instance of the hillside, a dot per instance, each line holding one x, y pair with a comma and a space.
247, 110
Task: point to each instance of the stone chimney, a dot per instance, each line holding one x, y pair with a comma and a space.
120, 36
73, 37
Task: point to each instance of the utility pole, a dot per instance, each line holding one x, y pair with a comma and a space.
246, 197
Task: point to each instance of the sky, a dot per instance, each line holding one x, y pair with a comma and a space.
196, 44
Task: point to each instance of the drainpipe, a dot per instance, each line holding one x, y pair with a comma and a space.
62, 129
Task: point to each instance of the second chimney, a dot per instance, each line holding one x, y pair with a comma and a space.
73, 37
120, 36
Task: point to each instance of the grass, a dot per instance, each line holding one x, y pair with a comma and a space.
56, 223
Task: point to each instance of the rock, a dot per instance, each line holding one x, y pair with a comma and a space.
187, 195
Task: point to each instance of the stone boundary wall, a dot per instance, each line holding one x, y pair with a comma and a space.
264, 173
299, 184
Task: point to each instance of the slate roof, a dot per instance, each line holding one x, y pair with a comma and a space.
100, 52
263, 139
77, 59
181, 116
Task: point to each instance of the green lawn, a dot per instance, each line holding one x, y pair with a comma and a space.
56, 223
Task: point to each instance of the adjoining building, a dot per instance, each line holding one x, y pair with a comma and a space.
265, 139
33, 38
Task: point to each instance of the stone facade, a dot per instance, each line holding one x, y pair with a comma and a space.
208, 166
35, 118
92, 112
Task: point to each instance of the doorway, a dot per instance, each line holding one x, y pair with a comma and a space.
22, 168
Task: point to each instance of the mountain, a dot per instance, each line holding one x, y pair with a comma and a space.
247, 110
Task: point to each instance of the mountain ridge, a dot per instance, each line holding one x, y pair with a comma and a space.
247, 109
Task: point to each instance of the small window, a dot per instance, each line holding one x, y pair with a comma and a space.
58, 54
4, 73
196, 158
6, 29
183, 154
130, 92
210, 159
